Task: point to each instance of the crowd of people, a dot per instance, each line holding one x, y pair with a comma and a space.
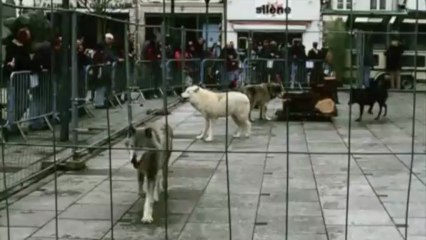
20, 55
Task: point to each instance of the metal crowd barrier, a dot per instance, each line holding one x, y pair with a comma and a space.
213, 72
99, 80
135, 87
147, 77
118, 83
182, 73
30, 99
258, 70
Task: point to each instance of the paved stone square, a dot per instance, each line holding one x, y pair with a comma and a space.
198, 202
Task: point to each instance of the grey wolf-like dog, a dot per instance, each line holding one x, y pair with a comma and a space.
150, 148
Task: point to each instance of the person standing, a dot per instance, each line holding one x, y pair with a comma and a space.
368, 62
393, 63
315, 57
232, 68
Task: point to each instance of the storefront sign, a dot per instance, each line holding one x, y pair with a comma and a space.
273, 9
270, 8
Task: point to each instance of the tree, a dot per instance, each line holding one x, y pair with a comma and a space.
98, 7
40, 28
336, 39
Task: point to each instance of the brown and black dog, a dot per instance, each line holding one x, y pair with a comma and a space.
260, 95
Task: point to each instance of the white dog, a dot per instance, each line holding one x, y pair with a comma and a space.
213, 105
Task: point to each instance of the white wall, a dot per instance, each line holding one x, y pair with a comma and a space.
412, 5
300, 10
313, 34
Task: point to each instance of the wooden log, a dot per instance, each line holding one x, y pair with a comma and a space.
309, 103
325, 106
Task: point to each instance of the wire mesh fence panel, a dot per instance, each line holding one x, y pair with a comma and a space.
182, 73
150, 133
212, 72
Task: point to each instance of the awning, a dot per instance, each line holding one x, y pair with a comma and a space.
270, 26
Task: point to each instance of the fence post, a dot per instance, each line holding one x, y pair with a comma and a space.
164, 64
2, 140
202, 74
182, 57
74, 82
127, 65
64, 86
247, 71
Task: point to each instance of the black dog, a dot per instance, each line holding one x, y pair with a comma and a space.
377, 92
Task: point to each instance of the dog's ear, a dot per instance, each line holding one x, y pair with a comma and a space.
131, 131
197, 89
148, 132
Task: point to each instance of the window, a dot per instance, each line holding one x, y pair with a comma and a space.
408, 61
355, 59
382, 4
377, 4
339, 4
373, 4
344, 4
348, 4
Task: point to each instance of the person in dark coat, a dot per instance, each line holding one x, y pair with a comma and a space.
41, 86
17, 53
298, 55
393, 63
17, 59
368, 61
262, 65
232, 67
276, 71
315, 56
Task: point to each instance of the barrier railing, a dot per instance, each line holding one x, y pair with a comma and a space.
118, 83
213, 72
300, 72
261, 70
146, 77
30, 98
182, 72
98, 81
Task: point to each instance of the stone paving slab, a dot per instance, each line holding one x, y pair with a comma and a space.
23, 161
198, 195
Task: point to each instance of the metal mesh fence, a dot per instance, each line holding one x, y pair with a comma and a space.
80, 158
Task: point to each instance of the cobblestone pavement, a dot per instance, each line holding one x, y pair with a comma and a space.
197, 203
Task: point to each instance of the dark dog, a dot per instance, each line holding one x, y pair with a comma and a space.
377, 92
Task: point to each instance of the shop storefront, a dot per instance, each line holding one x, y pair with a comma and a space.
267, 20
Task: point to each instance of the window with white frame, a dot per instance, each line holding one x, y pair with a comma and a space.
344, 4
377, 4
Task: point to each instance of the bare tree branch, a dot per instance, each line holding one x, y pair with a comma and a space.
99, 6
84, 3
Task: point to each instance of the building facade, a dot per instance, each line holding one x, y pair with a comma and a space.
374, 5
267, 20
190, 14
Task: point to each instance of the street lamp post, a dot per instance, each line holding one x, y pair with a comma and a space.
207, 24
